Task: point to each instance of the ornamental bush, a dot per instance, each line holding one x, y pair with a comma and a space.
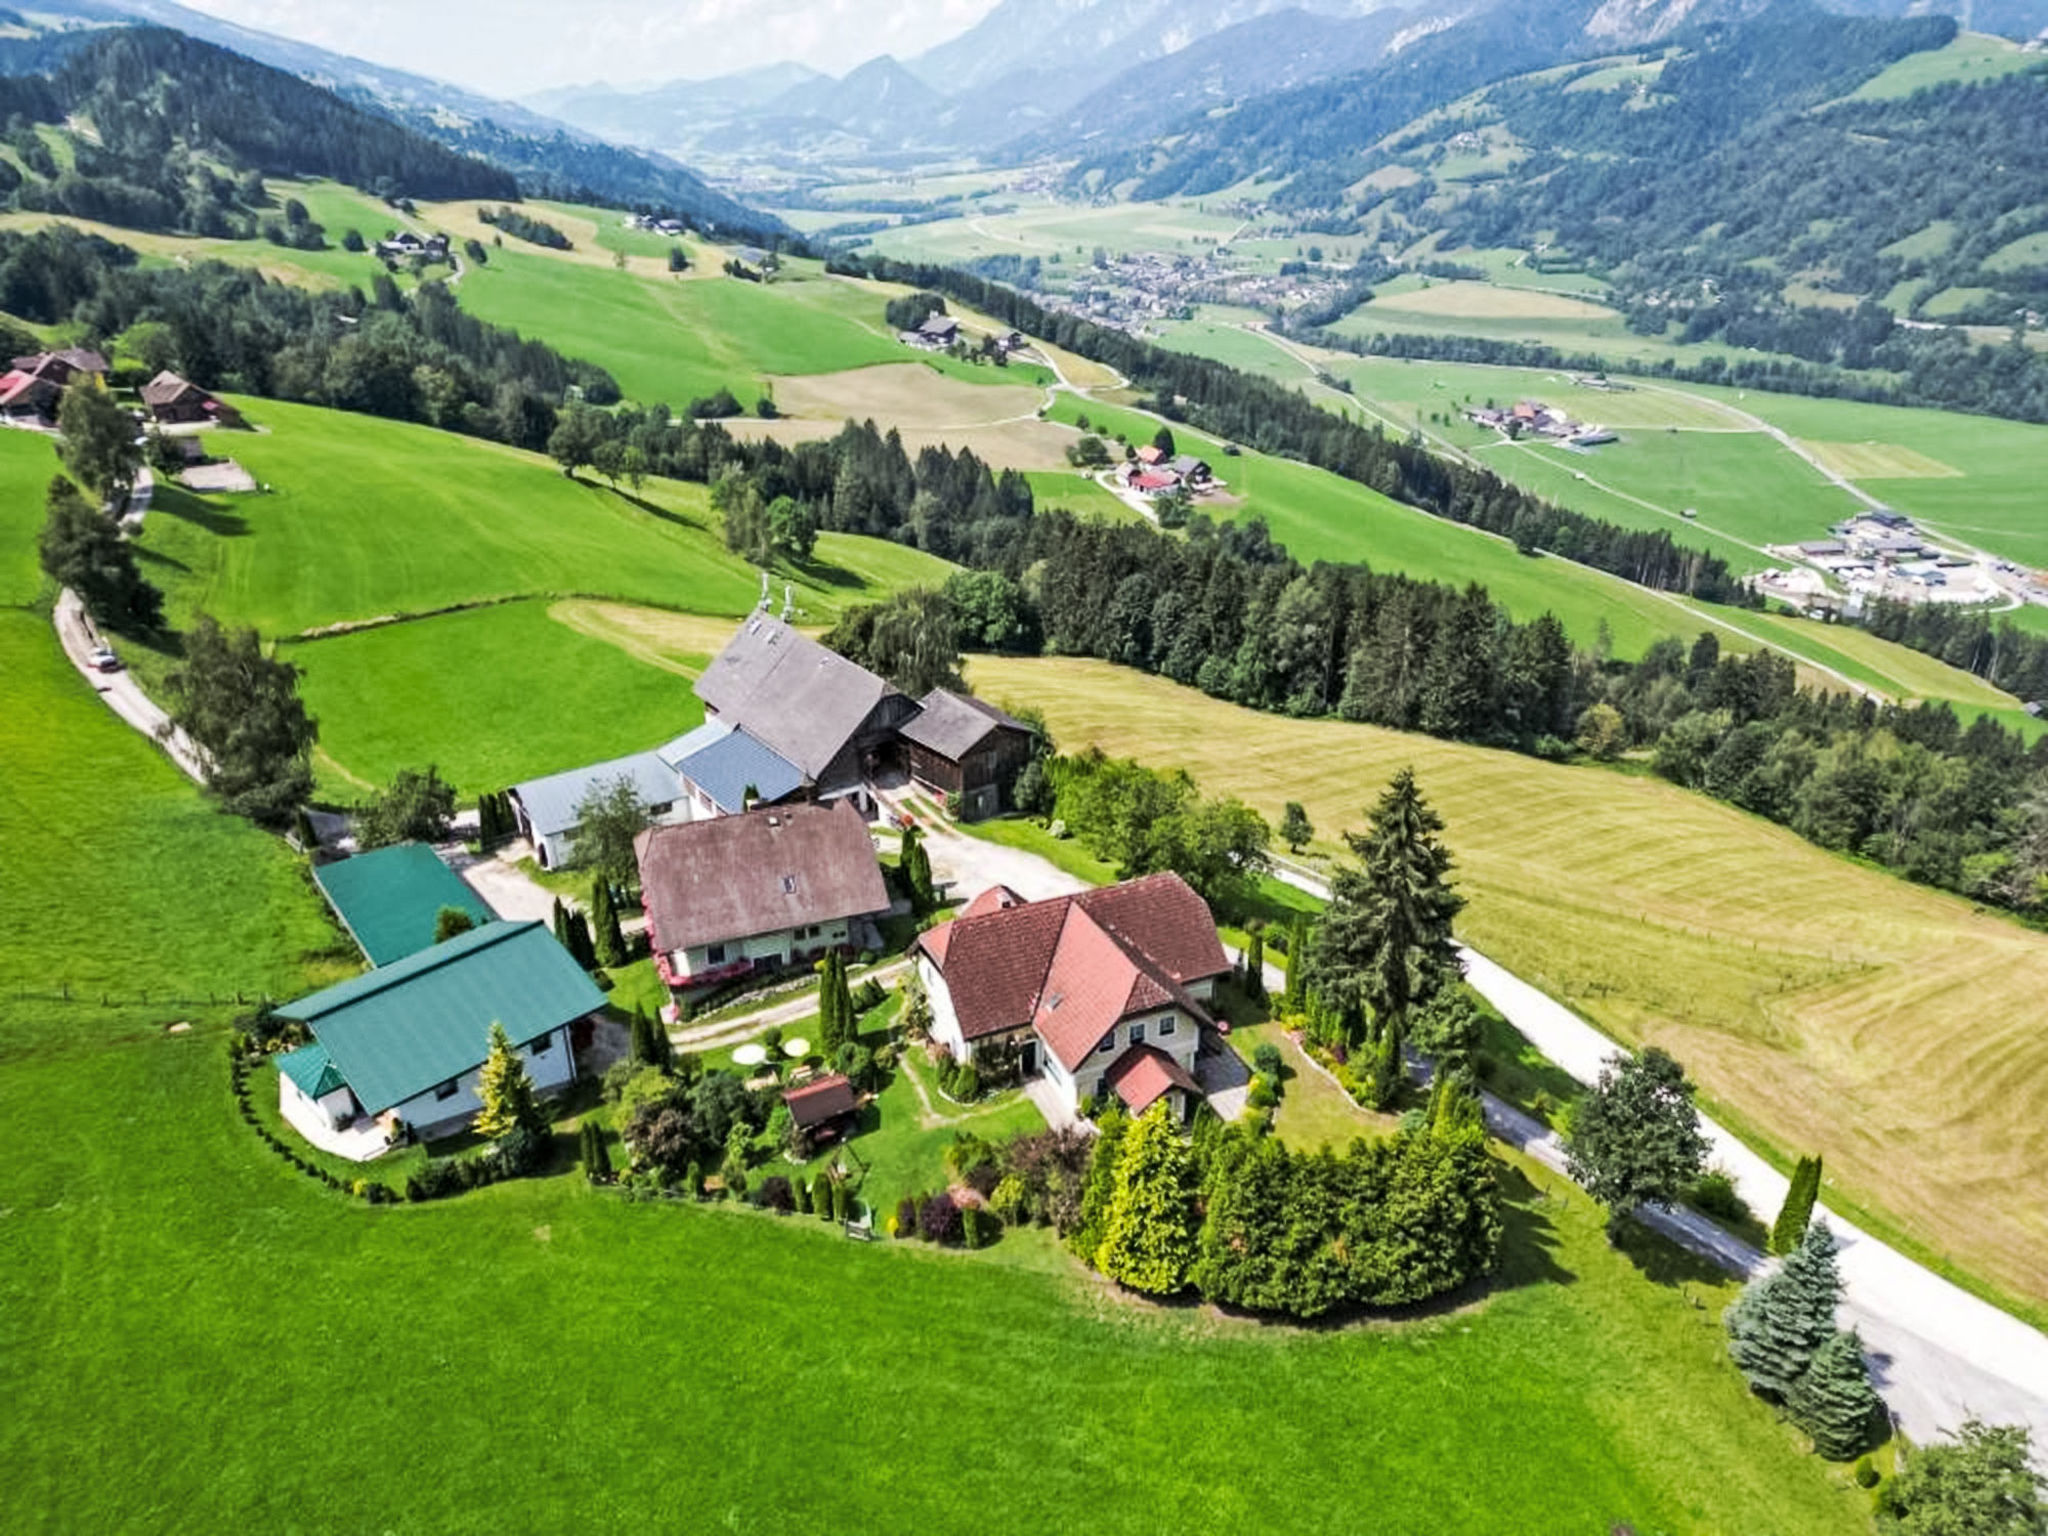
971, 1226
906, 1217
939, 1219
1267, 1060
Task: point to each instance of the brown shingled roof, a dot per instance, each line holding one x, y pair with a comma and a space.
1071, 967
826, 1099
167, 388
784, 866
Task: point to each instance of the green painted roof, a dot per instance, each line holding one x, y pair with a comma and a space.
388, 899
312, 1069
397, 1031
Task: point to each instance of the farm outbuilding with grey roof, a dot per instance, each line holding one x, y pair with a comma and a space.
960, 745
833, 719
546, 808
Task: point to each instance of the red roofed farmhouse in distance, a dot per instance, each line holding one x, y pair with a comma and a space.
1102, 992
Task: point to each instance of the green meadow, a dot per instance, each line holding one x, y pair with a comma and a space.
366, 518
27, 461
178, 1302
1320, 516
490, 696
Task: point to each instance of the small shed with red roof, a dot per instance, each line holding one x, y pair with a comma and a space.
824, 1107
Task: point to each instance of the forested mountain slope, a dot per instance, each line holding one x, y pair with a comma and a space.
152, 118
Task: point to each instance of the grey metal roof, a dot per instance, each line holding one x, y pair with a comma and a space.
551, 802
397, 1031
1187, 464
953, 724
725, 764
790, 693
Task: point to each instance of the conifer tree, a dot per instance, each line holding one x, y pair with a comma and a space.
604, 922
1792, 1220
506, 1092
1150, 1241
664, 1048
800, 1187
1834, 1401
579, 940
1294, 1001
1385, 940
1255, 965
842, 1202
597, 1160
1097, 1194
1780, 1321
560, 918
643, 1037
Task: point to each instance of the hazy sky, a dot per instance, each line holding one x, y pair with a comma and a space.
511, 47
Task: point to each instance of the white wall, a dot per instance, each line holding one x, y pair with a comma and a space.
945, 1018
552, 1068
327, 1110
1182, 1045
776, 947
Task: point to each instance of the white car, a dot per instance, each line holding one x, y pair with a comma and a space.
103, 659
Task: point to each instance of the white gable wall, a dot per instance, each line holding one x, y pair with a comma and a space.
552, 1068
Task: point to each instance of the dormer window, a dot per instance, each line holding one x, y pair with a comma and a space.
1108, 1042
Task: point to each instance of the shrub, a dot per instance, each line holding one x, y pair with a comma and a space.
802, 1191
1713, 1194
775, 1194
1267, 1061
905, 1224
1261, 1095
693, 1180
966, 1084
842, 1202
970, 1226
1011, 1200
1866, 1473
822, 1196
939, 1219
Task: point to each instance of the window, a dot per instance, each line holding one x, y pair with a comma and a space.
1108, 1042
446, 1090
1168, 1025
715, 955
543, 1045
1138, 1032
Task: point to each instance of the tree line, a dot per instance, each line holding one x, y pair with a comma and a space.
414, 357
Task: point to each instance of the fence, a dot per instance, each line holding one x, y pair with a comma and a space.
106, 997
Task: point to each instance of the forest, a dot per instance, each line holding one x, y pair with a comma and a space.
413, 358
166, 108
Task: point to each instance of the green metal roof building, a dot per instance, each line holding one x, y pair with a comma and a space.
390, 899
411, 1035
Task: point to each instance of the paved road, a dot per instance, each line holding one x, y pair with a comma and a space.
1940, 1355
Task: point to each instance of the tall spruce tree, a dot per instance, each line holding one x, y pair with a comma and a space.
1149, 1244
1781, 1320
579, 940
1384, 942
1797, 1211
1294, 1001
610, 940
506, 1092
1834, 1401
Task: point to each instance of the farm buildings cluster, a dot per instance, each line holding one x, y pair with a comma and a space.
1879, 554
1532, 418
1151, 474
761, 861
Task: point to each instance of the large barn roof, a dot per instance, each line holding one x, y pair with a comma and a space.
397, 1031
790, 693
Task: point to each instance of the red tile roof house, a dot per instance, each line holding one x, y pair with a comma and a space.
758, 891
1104, 992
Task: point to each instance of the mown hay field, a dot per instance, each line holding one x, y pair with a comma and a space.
1825, 1006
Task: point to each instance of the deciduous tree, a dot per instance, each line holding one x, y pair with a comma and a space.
82, 549
1636, 1135
1981, 1483
97, 441
610, 815
1295, 827
416, 807
242, 709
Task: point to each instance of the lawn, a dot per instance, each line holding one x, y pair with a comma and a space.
1313, 1111
490, 696
1969, 60
27, 461
367, 518
1792, 983
170, 1283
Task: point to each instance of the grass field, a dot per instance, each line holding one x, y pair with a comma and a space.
27, 461
368, 518
170, 1284
490, 696
1825, 1006
1971, 59
1320, 516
